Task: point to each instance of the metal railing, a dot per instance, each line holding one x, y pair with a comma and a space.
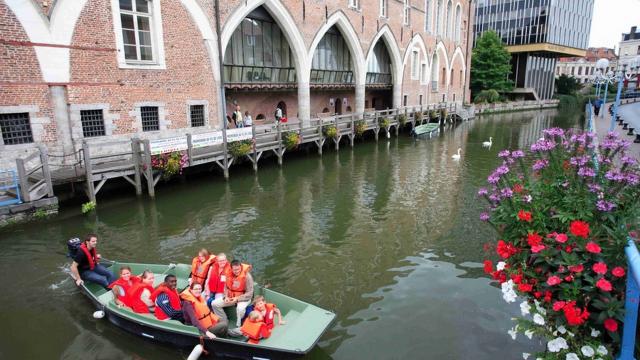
9, 184
250, 74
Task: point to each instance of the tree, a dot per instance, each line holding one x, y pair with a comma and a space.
490, 64
567, 85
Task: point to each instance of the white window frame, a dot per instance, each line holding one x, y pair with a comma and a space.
354, 4
383, 8
423, 73
428, 16
415, 67
406, 13
156, 39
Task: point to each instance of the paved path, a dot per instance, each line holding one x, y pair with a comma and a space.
631, 114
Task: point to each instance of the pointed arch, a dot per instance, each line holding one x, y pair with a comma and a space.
457, 23
457, 54
417, 40
397, 64
441, 50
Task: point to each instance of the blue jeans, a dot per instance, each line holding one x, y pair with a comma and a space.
99, 275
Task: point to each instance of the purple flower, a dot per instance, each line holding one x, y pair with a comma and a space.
493, 178
494, 198
482, 192
506, 193
594, 188
632, 179
502, 170
604, 205
517, 154
628, 160
543, 145
553, 132
484, 216
504, 153
579, 160
586, 172
540, 164
614, 175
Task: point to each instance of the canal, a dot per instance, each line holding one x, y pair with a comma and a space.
385, 234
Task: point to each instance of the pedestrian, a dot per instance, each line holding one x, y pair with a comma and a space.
237, 117
85, 265
597, 104
278, 114
248, 121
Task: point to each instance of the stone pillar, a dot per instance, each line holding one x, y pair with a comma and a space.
63, 124
304, 103
360, 95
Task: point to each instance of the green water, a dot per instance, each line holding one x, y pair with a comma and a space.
385, 234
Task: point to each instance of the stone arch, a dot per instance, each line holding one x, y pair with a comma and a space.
340, 20
294, 38
419, 41
397, 64
458, 68
443, 58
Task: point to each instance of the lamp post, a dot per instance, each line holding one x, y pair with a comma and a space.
623, 75
603, 78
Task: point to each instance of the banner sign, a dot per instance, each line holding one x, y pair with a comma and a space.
206, 139
161, 146
239, 134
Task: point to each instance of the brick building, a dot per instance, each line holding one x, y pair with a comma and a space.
99, 70
583, 68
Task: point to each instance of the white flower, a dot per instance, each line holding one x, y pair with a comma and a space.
602, 350
525, 308
529, 334
527, 198
508, 294
594, 332
525, 356
500, 266
562, 329
557, 344
513, 332
538, 319
572, 356
540, 309
587, 351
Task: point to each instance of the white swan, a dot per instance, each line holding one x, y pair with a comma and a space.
456, 156
488, 144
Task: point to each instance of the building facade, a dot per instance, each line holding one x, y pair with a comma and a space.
536, 33
99, 70
583, 68
629, 46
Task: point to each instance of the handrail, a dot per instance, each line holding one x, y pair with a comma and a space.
632, 297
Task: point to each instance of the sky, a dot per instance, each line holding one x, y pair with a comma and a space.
610, 19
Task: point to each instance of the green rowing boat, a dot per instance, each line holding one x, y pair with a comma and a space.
426, 129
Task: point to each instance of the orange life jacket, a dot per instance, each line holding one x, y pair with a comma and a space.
126, 288
216, 280
269, 314
174, 300
206, 317
200, 269
135, 301
91, 255
236, 284
255, 330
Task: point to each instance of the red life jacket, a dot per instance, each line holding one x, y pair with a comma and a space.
236, 285
199, 269
135, 300
216, 282
126, 288
269, 314
92, 256
174, 300
255, 330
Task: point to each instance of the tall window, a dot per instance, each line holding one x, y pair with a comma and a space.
458, 24
447, 30
150, 118
434, 73
196, 113
415, 60
427, 16
423, 73
406, 12
439, 18
92, 123
136, 22
258, 52
15, 129
379, 66
383, 8
354, 4
332, 60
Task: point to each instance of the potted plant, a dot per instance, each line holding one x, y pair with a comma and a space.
170, 164
433, 114
402, 119
417, 116
360, 128
291, 140
384, 122
240, 148
330, 131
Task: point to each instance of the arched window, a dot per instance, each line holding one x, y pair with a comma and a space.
258, 52
434, 73
428, 13
379, 66
461, 84
448, 21
332, 62
439, 18
458, 23
260, 117
443, 79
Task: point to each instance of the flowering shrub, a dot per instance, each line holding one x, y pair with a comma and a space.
402, 119
291, 140
240, 148
563, 223
417, 116
330, 131
360, 128
384, 122
170, 163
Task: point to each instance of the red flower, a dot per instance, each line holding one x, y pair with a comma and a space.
499, 275
575, 316
547, 296
517, 279
618, 271
576, 268
558, 305
568, 278
537, 294
611, 325
593, 247
562, 238
505, 250
536, 249
568, 248
553, 280
579, 228
600, 268
517, 188
524, 215
525, 287
488, 266
604, 285
533, 239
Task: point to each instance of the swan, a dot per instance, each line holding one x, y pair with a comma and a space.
488, 144
456, 156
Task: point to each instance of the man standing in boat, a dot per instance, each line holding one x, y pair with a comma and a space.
238, 291
85, 265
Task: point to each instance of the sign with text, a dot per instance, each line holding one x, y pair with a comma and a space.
206, 139
239, 134
161, 146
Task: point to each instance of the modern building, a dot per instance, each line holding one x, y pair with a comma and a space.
536, 33
103, 70
583, 68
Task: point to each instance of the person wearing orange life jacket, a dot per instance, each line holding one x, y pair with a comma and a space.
255, 328
220, 270
85, 265
167, 300
121, 288
238, 291
197, 313
268, 311
140, 294
200, 266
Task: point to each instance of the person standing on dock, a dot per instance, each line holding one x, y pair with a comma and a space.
85, 265
238, 291
237, 117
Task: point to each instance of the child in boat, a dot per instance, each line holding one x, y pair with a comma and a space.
255, 328
268, 311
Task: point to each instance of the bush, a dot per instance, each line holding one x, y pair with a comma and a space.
360, 127
443, 113
402, 119
170, 164
487, 96
384, 122
291, 140
563, 224
417, 116
433, 114
88, 207
240, 148
330, 131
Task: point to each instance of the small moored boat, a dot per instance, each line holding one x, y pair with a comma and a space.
426, 129
305, 323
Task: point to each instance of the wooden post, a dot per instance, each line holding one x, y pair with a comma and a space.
46, 173
190, 149
279, 144
225, 161
376, 129
397, 117
148, 170
353, 130
88, 170
320, 139
336, 140
135, 151
22, 178
255, 151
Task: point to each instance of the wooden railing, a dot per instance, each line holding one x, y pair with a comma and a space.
35, 180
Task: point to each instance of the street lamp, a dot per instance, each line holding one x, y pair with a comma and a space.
623, 75
604, 78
